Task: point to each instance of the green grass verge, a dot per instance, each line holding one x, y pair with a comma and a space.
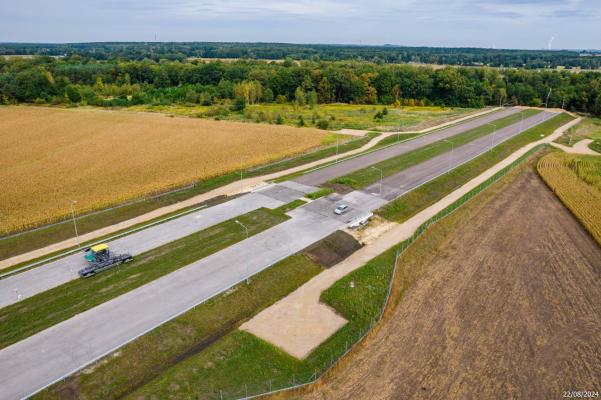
595, 145
290, 206
35, 239
319, 193
588, 128
240, 363
369, 175
48, 308
411, 203
190, 335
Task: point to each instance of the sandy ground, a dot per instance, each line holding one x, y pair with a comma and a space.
353, 132
299, 323
578, 148
508, 308
230, 189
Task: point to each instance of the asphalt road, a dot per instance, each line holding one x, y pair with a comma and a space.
398, 184
54, 353
47, 276
320, 176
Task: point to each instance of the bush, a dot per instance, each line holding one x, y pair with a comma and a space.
323, 124
239, 104
279, 120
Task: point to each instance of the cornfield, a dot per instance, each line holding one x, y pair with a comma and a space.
577, 182
51, 156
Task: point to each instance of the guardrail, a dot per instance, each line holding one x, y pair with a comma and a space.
297, 381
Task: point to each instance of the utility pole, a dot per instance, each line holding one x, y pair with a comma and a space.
381, 177
246, 230
337, 139
74, 222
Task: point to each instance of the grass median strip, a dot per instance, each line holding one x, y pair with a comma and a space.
46, 309
182, 338
372, 174
411, 203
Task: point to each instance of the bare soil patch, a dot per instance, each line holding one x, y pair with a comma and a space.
332, 249
507, 306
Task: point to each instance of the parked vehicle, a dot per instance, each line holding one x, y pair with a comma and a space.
341, 209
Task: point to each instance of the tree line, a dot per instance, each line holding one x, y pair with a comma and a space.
81, 80
530, 59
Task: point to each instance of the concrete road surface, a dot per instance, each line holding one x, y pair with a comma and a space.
38, 361
398, 184
47, 276
320, 176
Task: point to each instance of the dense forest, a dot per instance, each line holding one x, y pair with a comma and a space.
530, 59
81, 80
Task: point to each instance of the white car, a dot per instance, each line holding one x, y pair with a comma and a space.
341, 209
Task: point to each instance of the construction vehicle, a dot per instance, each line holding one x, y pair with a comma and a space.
100, 258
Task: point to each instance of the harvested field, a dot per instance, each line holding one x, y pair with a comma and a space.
577, 182
51, 156
507, 306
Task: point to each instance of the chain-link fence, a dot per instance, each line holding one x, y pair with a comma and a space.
300, 380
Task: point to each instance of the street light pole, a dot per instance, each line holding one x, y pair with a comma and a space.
492, 137
381, 177
246, 230
337, 139
74, 222
451, 153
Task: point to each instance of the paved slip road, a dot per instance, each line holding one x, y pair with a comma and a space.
320, 176
38, 361
398, 184
55, 273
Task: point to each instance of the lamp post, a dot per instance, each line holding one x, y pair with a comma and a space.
241, 184
451, 153
73, 202
492, 137
337, 139
246, 230
381, 177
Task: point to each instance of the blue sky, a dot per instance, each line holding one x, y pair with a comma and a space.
533, 24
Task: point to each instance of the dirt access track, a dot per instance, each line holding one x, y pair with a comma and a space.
508, 306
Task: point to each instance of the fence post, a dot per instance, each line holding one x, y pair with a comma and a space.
221, 394
245, 391
270, 385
